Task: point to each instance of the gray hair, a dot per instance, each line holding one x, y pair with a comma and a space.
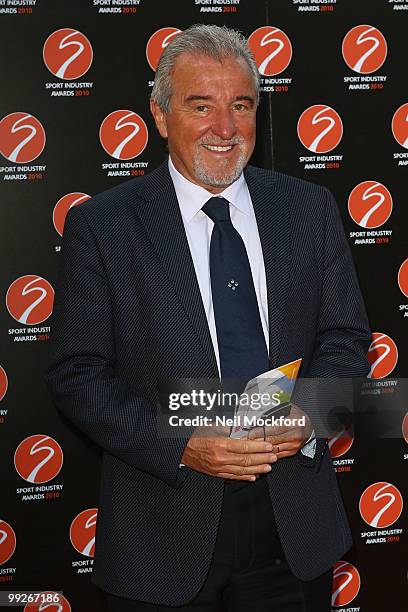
213, 41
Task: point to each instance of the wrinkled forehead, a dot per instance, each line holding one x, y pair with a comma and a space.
194, 71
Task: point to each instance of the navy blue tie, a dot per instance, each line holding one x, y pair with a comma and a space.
241, 341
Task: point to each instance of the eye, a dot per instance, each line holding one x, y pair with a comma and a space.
202, 108
240, 106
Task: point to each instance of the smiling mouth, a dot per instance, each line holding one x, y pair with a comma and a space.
218, 148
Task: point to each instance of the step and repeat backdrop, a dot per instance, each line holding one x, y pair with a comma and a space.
74, 120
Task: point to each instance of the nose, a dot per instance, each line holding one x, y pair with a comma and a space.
223, 124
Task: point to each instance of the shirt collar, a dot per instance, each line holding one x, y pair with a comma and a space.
192, 197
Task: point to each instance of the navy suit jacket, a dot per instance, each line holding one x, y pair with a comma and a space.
128, 311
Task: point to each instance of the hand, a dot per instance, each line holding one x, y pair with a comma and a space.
225, 457
286, 440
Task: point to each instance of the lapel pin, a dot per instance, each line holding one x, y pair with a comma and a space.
233, 284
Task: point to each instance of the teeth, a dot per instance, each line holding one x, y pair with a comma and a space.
213, 148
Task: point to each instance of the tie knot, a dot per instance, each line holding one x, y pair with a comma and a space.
217, 209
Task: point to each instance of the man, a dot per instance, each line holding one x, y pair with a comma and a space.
207, 267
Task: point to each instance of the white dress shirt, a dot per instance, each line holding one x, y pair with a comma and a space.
198, 227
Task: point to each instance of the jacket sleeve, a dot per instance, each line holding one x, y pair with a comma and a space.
81, 370
343, 335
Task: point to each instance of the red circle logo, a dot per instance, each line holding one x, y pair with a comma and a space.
370, 204
272, 50
82, 532
320, 128
364, 49
382, 354
157, 43
62, 207
30, 299
380, 505
38, 459
405, 428
400, 125
22, 138
7, 542
341, 442
67, 54
346, 583
51, 601
403, 277
3, 383
123, 134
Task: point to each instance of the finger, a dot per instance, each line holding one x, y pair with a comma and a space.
235, 477
230, 475
247, 446
247, 470
246, 460
286, 453
286, 450
276, 430
289, 436
283, 436
256, 432
261, 432
278, 449
269, 430
284, 446
227, 476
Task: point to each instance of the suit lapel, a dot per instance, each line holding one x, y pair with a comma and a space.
272, 212
163, 222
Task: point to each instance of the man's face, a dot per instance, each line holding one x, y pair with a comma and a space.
211, 124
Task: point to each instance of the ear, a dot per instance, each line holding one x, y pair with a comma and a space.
159, 118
